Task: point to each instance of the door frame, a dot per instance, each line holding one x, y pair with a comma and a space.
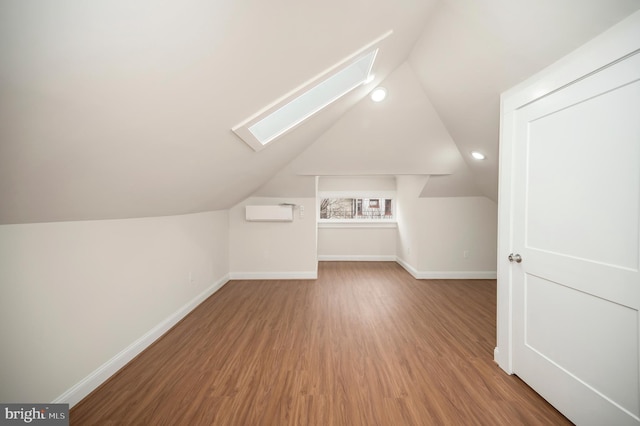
619, 41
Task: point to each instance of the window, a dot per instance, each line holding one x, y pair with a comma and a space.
300, 104
313, 100
356, 208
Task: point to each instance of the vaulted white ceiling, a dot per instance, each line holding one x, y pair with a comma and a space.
471, 51
124, 108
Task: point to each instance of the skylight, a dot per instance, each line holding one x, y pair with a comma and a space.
313, 100
289, 112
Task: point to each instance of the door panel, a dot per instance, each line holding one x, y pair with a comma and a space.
586, 354
576, 224
599, 152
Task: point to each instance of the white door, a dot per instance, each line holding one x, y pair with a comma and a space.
576, 214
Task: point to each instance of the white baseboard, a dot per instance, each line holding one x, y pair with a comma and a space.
356, 258
447, 275
294, 275
456, 275
83, 388
410, 269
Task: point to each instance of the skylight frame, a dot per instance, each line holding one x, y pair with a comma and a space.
314, 99
259, 140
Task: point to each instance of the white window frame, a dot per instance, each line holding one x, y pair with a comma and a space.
360, 223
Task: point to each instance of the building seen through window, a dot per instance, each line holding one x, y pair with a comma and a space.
356, 208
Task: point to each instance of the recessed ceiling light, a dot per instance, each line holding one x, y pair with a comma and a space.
478, 155
378, 94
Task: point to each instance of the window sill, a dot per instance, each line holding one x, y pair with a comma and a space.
358, 224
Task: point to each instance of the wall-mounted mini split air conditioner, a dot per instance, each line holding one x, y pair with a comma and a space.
282, 213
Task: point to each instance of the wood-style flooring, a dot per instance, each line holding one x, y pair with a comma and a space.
365, 344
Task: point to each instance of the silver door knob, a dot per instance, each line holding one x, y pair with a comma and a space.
515, 258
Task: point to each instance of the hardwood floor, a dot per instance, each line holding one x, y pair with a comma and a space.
365, 344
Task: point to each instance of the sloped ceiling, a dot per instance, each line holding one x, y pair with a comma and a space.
401, 135
124, 108
471, 51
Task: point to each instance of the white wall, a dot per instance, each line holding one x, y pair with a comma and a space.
356, 243
408, 191
450, 226
273, 249
76, 294
356, 183
434, 233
